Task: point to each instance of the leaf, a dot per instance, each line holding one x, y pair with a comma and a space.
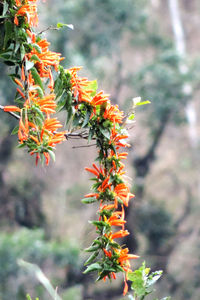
93, 267
34, 269
40, 113
91, 258
15, 130
29, 65
36, 77
92, 248
105, 132
153, 277
89, 200
93, 85
35, 58
5, 8
131, 117
87, 118
52, 154
8, 32
22, 52
143, 103
39, 50
61, 25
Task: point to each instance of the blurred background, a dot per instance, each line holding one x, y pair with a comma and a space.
134, 48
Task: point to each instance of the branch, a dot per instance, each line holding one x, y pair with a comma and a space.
10, 113
77, 135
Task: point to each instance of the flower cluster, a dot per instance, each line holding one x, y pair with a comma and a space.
38, 128
40, 94
110, 187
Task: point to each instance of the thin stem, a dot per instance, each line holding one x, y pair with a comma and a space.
85, 146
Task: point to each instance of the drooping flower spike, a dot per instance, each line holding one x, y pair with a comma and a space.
43, 88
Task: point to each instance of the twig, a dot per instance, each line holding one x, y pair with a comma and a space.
49, 28
76, 135
85, 146
10, 113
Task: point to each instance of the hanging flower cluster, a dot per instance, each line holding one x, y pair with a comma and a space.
44, 88
38, 127
110, 188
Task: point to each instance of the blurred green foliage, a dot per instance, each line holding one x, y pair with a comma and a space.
31, 246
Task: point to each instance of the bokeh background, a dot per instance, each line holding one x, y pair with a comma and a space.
134, 48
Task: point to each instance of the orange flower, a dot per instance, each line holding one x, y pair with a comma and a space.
79, 86
119, 234
23, 130
51, 125
113, 113
17, 81
8, 108
122, 191
96, 171
115, 219
29, 11
118, 140
57, 138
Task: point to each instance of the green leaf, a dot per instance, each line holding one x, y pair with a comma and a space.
89, 200
29, 65
22, 52
91, 258
21, 146
38, 49
52, 154
131, 117
105, 132
153, 277
5, 8
93, 85
61, 25
36, 77
93, 267
35, 58
143, 103
15, 130
40, 113
92, 248
8, 32
87, 118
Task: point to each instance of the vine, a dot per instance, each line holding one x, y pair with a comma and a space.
43, 88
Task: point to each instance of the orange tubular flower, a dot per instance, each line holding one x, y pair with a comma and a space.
51, 125
122, 191
57, 138
29, 11
23, 130
123, 260
96, 171
99, 99
119, 234
79, 86
113, 113
114, 220
11, 108
118, 140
